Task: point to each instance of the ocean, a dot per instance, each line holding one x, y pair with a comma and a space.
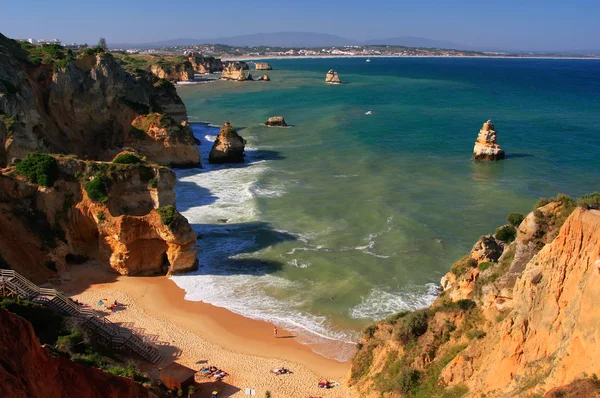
346, 218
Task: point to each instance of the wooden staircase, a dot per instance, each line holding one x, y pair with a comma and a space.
110, 334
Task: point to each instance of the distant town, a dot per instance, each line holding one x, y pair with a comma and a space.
242, 52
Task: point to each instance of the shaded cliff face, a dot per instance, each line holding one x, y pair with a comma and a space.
104, 211
174, 72
83, 107
28, 371
515, 318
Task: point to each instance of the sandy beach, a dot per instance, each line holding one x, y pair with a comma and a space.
198, 334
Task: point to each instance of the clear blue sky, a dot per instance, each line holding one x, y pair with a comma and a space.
511, 24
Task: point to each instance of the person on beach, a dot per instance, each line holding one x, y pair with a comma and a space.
275, 331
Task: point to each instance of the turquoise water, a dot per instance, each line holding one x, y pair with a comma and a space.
346, 218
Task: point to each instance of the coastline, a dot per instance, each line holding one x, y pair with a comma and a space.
192, 332
278, 57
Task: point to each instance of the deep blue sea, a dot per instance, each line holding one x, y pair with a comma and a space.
345, 217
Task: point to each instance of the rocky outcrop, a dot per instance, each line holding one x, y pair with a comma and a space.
234, 71
332, 77
205, 65
249, 77
84, 107
173, 72
519, 324
163, 140
486, 146
264, 78
276, 121
262, 66
228, 147
126, 225
29, 371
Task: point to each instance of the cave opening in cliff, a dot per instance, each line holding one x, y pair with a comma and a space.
75, 258
165, 264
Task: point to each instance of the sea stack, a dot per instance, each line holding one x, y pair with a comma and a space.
486, 147
332, 77
262, 66
234, 71
264, 78
276, 121
228, 147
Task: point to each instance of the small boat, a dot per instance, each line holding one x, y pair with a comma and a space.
368, 59
367, 112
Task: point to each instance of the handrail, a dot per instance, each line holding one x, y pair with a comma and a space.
114, 334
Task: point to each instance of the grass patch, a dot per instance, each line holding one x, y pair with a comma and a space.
39, 168
485, 265
362, 363
96, 190
127, 158
168, 215
463, 265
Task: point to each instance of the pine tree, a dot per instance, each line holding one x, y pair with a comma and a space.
102, 44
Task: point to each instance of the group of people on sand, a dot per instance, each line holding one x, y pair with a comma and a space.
281, 371
213, 371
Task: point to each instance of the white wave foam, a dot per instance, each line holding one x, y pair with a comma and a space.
379, 304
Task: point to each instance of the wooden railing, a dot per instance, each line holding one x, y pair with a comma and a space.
112, 334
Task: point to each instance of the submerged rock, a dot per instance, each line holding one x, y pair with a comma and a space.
332, 77
228, 147
486, 148
276, 121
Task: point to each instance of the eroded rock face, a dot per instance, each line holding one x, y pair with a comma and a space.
85, 108
276, 121
228, 147
234, 71
174, 72
47, 225
262, 66
29, 371
205, 65
486, 147
332, 77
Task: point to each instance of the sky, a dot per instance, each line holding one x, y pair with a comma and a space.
541, 25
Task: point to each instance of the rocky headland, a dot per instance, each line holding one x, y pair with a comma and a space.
262, 66
516, 316
205, 65
228, 147
276, 121
486, 147
332, 77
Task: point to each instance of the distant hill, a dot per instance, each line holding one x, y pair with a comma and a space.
411, 41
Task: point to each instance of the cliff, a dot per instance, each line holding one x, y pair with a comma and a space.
228, 147
83, 105
516, 316
486, 146
234, 71
120, 214
29, 371
183, 71
203, 65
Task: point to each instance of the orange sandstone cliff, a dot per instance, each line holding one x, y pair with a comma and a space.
517, 316
29, 371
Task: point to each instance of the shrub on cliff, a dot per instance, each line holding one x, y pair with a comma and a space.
39, 168
590, 201
411, 326
46, 323
168, 215
127, 158
507, 233
515, 219
96, 190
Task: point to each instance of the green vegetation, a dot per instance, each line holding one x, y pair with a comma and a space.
96, 190
485, 265
39, 168
411, 326
466, 304
475, 334
94, 50
506, 234
463, 265
590, 201
127, 158
515, 219
9, 121
362, 362
408, 380
153, 183
168, 215
48, 54
101, 216
47, 324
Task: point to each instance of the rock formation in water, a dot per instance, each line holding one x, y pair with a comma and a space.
332, 77
120, 214
523, 323
249, 77
264, 78
85, 107
234, 71
173, 72
276, 121
486, 147
205, 65
228, 147
262, 66
27, 370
